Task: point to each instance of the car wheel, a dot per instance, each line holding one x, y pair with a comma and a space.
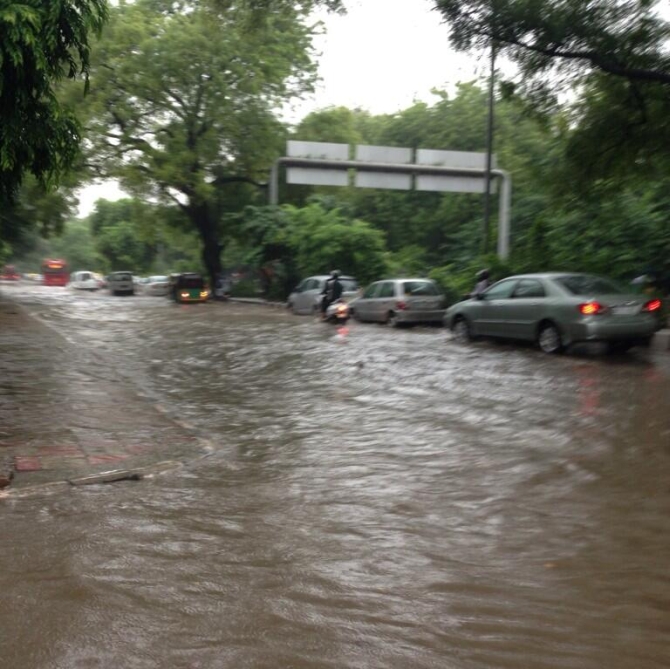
461, 330
549, 339
392, 319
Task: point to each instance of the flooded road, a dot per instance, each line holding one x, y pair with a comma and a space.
382, 499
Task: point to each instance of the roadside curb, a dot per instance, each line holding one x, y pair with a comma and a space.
257, 301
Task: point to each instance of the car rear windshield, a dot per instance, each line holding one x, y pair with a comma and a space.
419, 288
583, 284
122, 276
349, 285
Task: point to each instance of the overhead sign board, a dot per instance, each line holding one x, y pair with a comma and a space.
322, 150
465, 159
452, 184
383, 154
317, 176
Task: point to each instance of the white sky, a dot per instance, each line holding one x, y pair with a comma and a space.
381, 56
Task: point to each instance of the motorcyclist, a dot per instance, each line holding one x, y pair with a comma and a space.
483, 281
332, 291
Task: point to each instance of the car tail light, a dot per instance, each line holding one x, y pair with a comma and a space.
401, 305
652, 305
591, 308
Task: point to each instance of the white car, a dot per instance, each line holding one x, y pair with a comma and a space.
156, 285
84, 280
306, 296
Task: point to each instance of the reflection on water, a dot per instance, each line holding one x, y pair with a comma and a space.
384, 499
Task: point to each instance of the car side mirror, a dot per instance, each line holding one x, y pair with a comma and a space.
479, 296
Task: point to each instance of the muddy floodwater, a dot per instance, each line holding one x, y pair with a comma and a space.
376, 499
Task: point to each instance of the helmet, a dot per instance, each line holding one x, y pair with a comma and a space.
482, 274
335, 273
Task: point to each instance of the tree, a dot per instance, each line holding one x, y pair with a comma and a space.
183, 100
613, 53
34, 211
41, 43
121, 231
299, 241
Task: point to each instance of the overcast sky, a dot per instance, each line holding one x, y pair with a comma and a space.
381, 56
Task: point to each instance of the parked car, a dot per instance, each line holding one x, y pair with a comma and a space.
83, 280
121, 283
306, 297
156, 285
400, 301
556, 310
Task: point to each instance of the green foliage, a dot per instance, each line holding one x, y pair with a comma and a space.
324, 240
40, 44
285, 244
613, 55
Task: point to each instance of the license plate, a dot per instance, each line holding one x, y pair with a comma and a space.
626, 311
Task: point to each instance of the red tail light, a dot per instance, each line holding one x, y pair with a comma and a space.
401, 305
652, 305
591, 308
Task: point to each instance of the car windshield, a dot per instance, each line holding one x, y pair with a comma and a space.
157, 279
122, 276
419, 288
585, 284
190, 282
349, 285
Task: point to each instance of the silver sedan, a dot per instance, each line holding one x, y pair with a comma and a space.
557, 310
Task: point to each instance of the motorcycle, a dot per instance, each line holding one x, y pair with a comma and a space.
338, 313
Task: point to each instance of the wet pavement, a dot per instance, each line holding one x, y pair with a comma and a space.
65, 417
372, 499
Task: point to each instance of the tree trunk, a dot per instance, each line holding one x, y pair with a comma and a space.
211, 247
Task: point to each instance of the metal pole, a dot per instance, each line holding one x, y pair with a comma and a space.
273, 191
503, 215
489, 155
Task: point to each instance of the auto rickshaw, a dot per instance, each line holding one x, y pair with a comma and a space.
189, 287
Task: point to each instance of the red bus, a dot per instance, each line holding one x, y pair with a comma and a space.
54, 273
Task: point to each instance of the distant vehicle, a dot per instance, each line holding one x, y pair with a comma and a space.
156, 285
306, 297
189, 287
83, 280
55, 272
121, 283
400, 301
9, 273
556, 310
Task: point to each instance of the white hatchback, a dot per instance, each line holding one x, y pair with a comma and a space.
83, 280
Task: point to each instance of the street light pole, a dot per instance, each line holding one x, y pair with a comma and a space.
489, 154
